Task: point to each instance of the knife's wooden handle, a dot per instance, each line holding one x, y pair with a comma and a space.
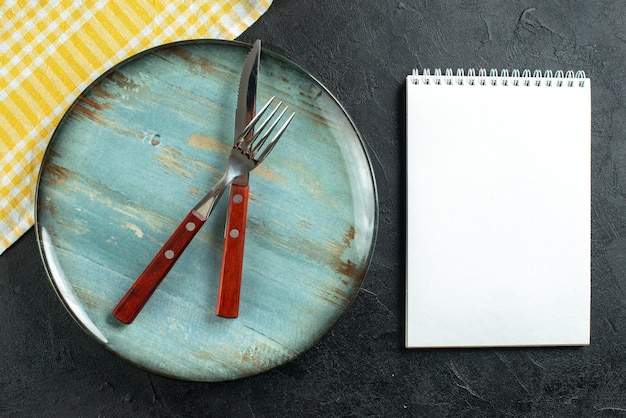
232, 257
139, 293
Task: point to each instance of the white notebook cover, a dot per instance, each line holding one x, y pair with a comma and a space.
498, 211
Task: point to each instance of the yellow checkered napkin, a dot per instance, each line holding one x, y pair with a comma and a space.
51, 51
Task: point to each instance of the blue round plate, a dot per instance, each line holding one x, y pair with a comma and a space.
134, 154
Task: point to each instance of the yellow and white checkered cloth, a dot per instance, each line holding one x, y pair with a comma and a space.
51, 51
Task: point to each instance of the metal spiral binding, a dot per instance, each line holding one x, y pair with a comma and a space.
504, 77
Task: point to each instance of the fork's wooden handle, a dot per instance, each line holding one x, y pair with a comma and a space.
145, 285
232, 258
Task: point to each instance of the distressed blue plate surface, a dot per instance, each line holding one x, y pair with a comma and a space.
135, 153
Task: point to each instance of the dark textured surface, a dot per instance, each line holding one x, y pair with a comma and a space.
362, 50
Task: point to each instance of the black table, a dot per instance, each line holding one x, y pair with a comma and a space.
362, 50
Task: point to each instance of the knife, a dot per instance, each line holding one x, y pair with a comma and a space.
235, 233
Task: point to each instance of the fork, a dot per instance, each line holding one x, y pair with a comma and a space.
246, 155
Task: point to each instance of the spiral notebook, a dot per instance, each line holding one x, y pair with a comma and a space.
498, 209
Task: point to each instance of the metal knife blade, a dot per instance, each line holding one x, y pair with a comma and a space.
246, 99
235, 232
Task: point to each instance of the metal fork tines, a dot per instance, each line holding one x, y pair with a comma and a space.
247, 153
